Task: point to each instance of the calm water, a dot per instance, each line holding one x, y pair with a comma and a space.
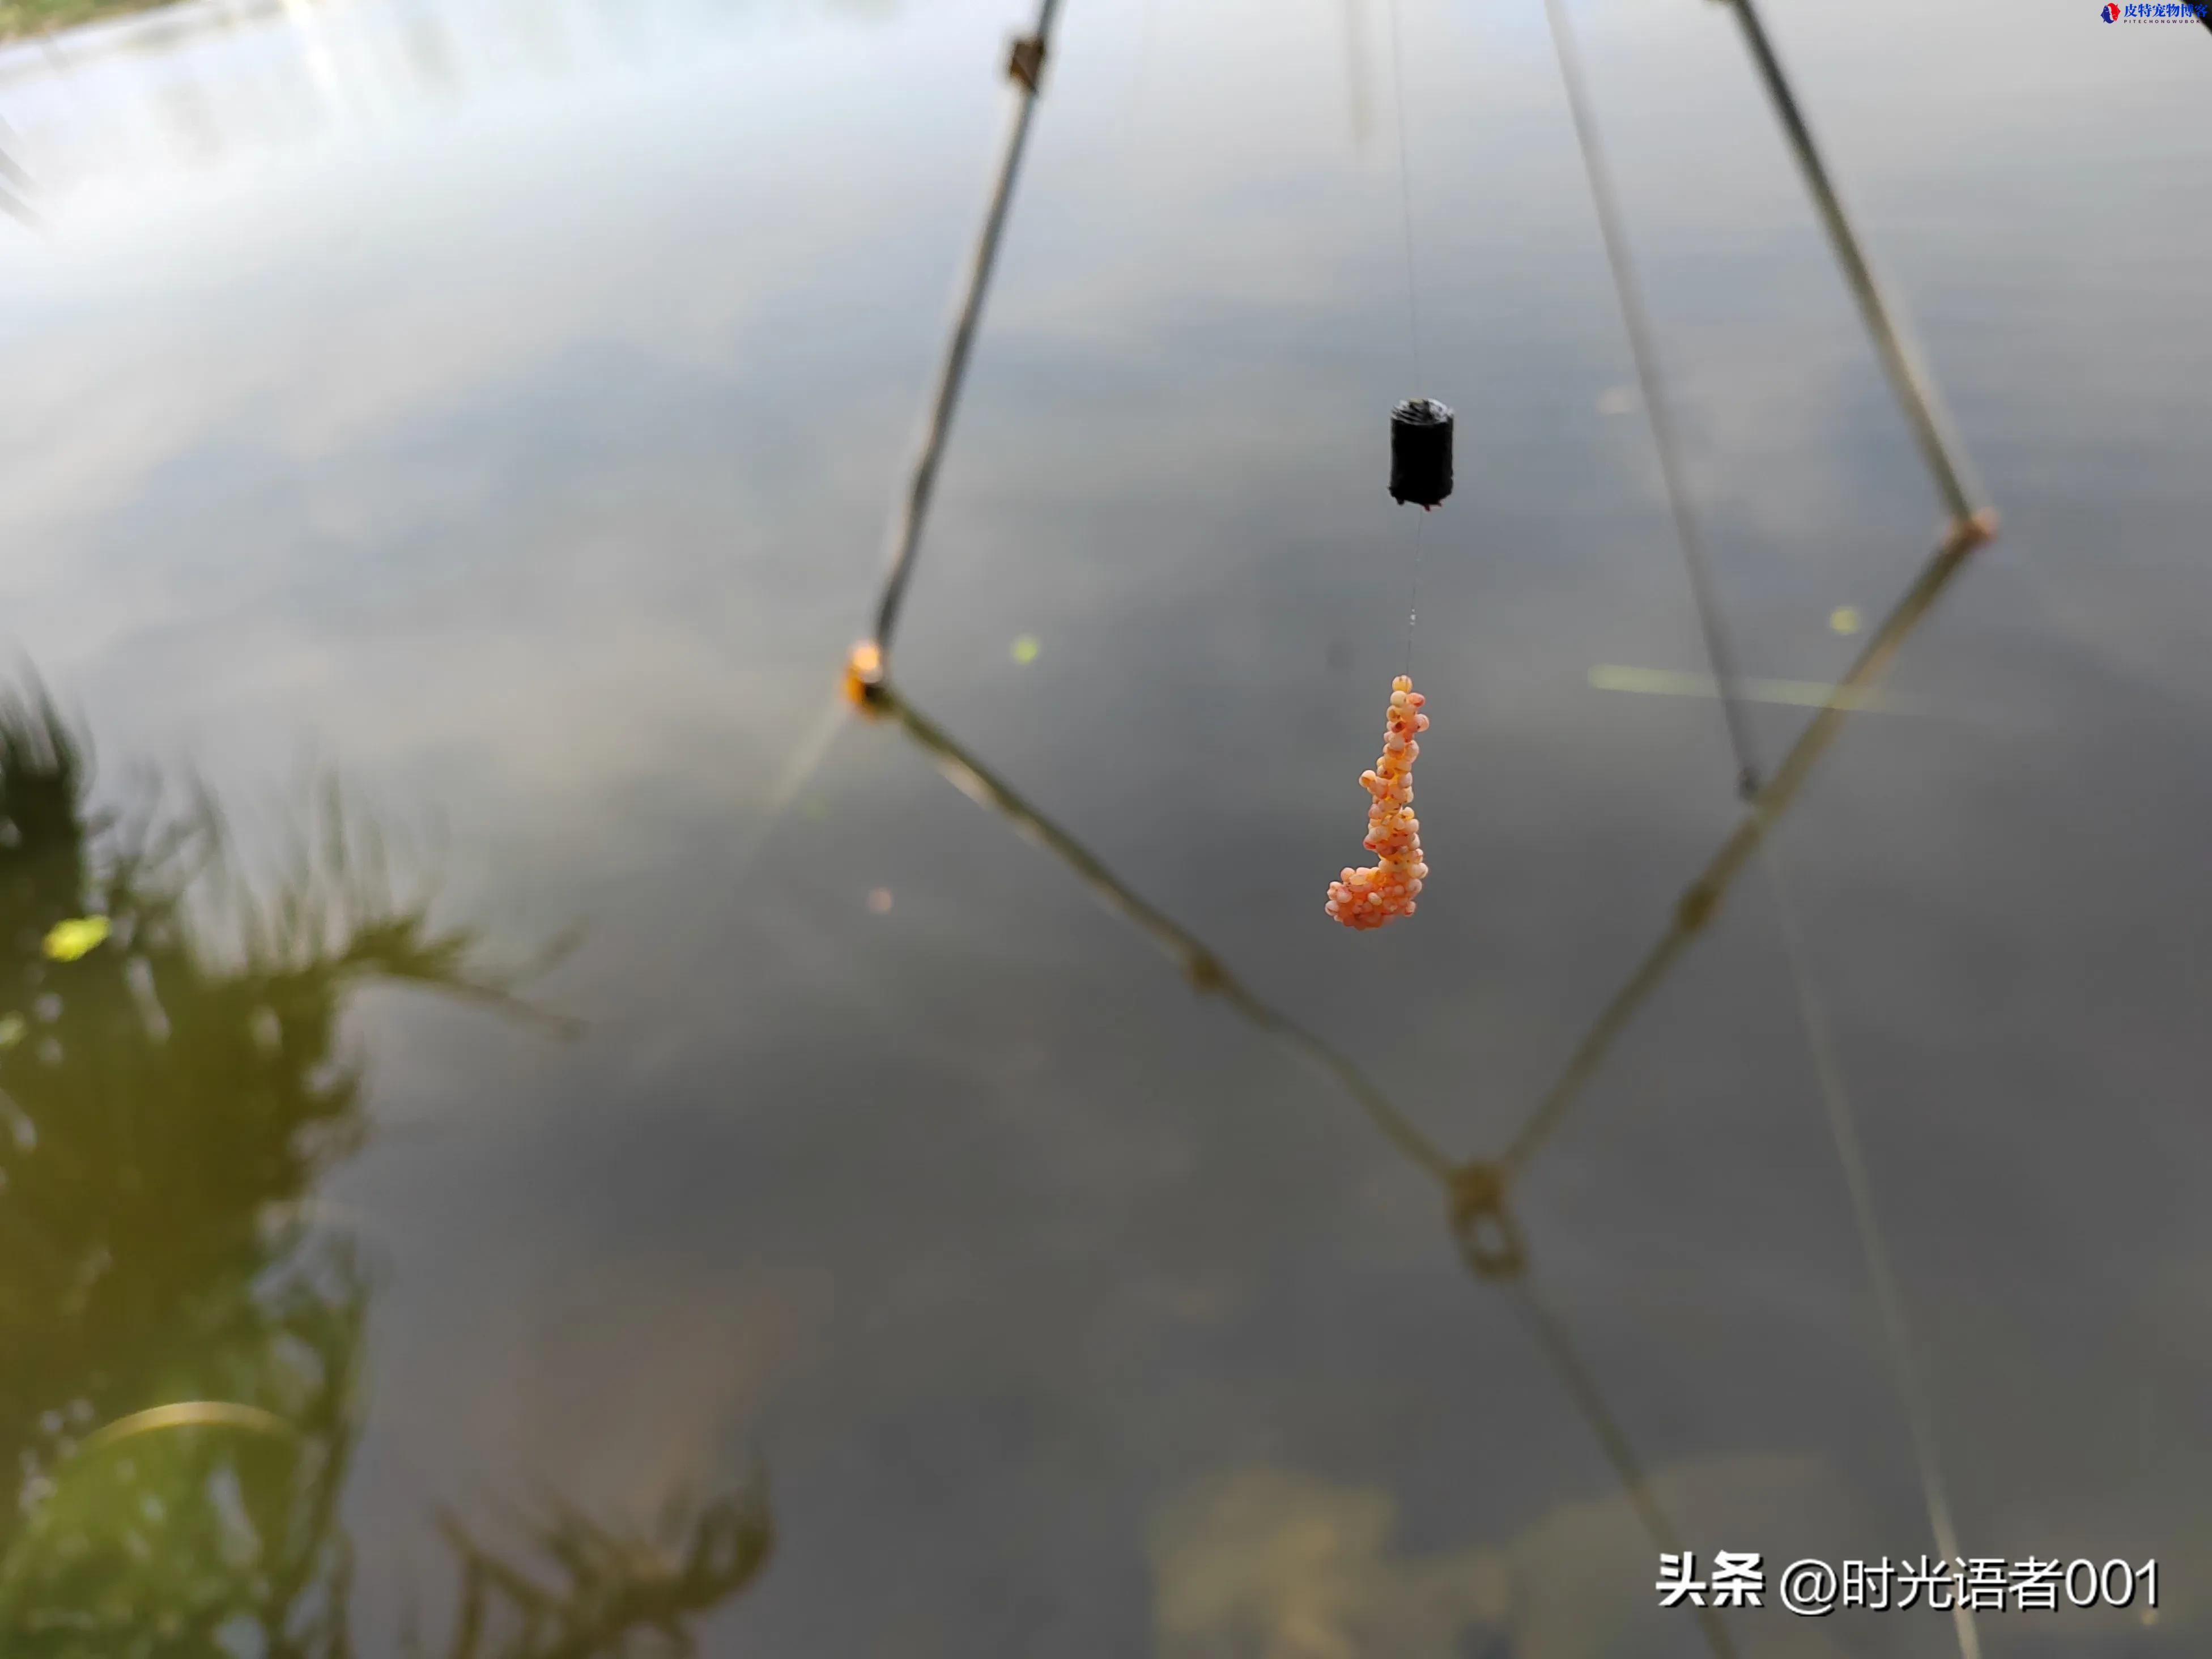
496, 408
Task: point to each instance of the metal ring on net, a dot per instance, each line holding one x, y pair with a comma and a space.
1489, 1238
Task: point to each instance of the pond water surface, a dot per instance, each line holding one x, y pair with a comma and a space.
496, 409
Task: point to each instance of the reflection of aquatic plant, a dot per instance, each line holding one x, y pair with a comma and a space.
177, 1407
616, 1595
20, 17
161, 1099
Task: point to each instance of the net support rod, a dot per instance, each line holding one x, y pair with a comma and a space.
1916, 392
1203, 970
1026, 67
1703, 897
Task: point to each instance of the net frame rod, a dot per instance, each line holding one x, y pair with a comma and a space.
1026, 71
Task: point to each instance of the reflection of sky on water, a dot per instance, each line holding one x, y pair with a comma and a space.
522, 445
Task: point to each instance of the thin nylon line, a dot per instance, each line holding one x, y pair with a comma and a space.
1656, 411
1405, 189
1142, 72
1356, 84
805, 761
1414, 603
1581, 1387
1889, 1299
1412, 300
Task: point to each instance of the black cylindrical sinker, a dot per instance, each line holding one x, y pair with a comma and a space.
1420, 452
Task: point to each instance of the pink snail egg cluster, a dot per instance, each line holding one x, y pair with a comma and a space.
1368, 898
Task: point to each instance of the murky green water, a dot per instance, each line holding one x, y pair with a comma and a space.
496, 409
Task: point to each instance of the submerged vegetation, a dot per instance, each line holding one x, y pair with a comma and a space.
179, 1410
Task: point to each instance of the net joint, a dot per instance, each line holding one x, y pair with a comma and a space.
1025, 62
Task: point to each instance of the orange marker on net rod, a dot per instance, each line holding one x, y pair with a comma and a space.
1368, 898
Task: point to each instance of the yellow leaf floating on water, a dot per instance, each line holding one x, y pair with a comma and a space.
68, 940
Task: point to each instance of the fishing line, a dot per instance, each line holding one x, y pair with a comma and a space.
1888, 1298
1412, 297
1574, 1375
1413, 600
1357, 84
1421, 475
1658, 414
1405, 191
1147, 19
